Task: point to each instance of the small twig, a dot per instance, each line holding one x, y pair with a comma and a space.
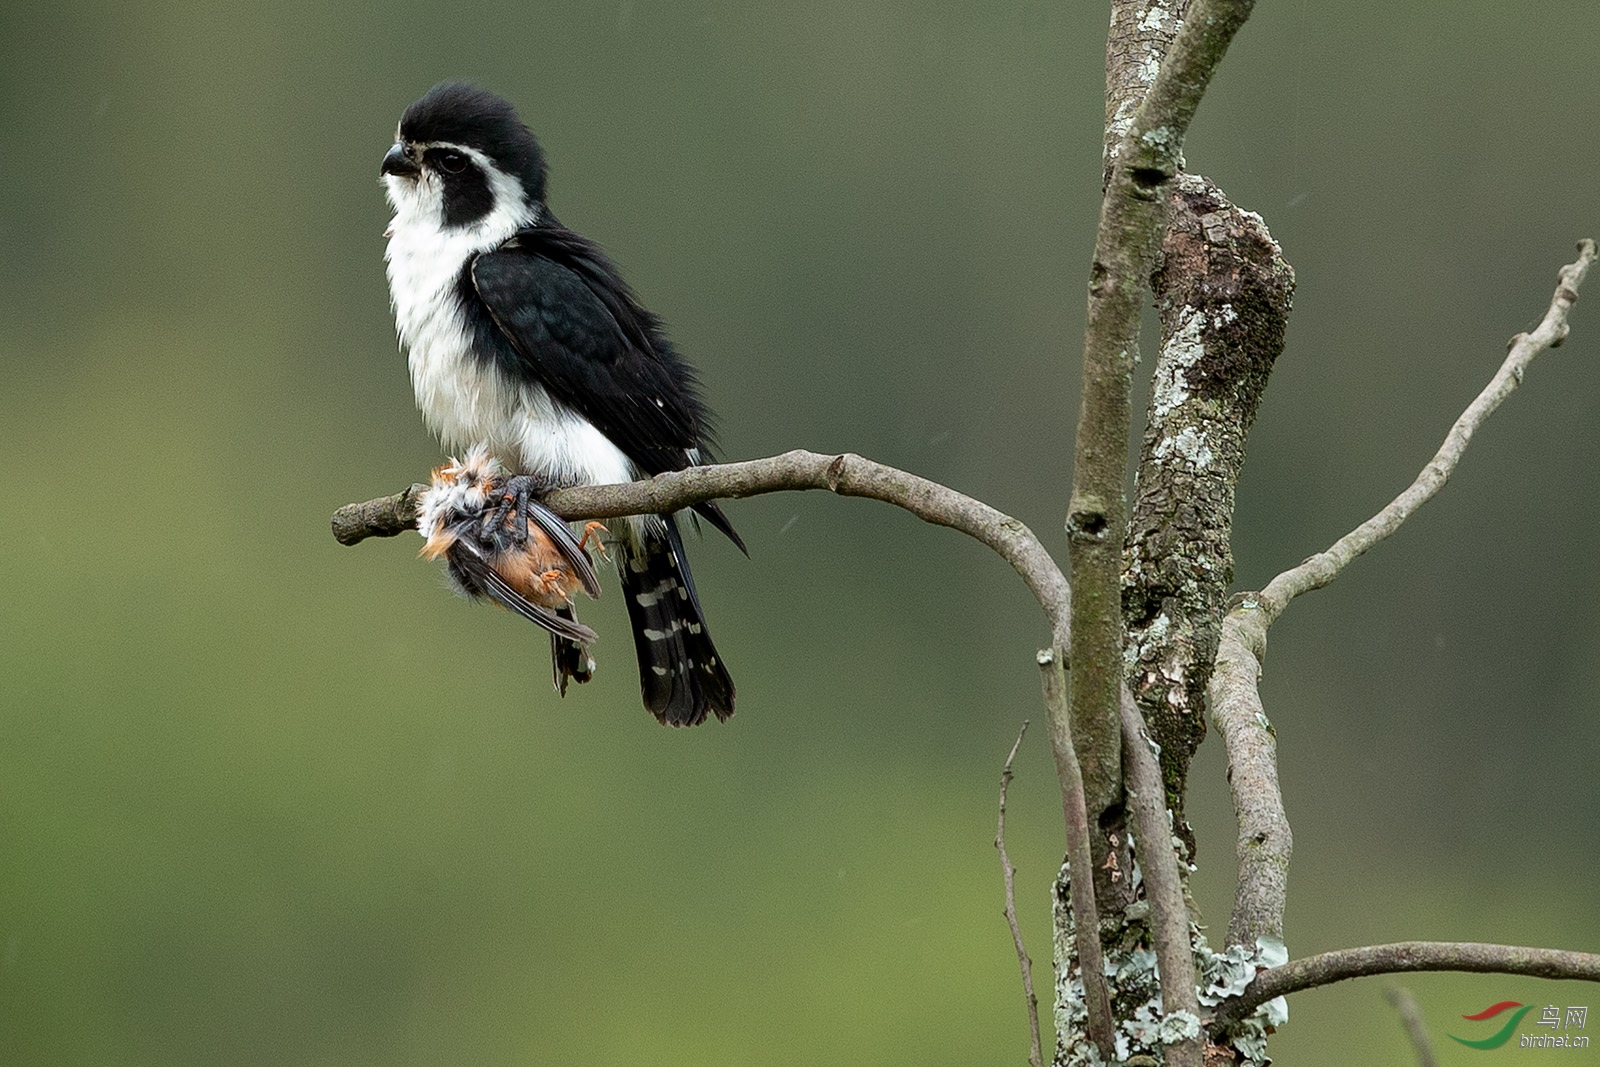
847, 474
1080, 861
1264, 838
1008, 873
1330, 967
1411, 1017
1322, 568
1169, 915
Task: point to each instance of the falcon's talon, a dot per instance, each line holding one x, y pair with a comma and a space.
512, 502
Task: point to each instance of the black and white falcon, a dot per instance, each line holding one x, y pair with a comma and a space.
522, 337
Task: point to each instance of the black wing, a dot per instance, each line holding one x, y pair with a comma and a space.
578, 331
560, 314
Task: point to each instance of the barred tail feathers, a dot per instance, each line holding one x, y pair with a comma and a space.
680, 672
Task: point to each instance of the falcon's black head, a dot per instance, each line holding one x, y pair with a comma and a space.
463, 152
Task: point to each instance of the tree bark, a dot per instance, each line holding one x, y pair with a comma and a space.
1223, 292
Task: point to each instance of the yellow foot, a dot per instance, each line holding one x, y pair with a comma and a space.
554, 583
594, 529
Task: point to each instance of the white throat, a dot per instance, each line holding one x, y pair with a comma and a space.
461, 400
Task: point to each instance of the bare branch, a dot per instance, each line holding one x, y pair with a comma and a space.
1133, 217
1416, 1029
1264, 843
1330, 967
387, 516
1264, 839
1169, 916
846, 474
1080, 859
1322, 568
1141, 32
1008, 875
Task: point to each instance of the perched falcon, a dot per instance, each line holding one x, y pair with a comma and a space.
522, 338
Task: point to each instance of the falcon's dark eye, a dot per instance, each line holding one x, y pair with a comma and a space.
452, 162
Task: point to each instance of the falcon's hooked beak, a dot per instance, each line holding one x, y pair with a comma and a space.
399, 161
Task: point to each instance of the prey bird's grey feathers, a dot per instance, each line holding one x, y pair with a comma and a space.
472, 571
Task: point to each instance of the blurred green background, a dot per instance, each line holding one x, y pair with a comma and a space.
267, 800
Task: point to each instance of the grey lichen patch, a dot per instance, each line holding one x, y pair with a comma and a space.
1183, 350
1225, 974
1143, 1029
1144, 644
1160, 135
1154, 18
1188, 444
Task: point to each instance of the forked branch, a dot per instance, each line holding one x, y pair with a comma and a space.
1133, 218
1264, 838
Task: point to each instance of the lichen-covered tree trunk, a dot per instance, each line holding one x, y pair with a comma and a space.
1223, 292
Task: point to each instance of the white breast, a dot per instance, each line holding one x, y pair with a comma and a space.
463, 400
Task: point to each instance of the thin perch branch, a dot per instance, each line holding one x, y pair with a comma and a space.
1330, 967
847, 474
1322, 568
1008, 875
387, 516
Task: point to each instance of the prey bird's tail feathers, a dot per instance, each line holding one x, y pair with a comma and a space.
680, 673
570, 661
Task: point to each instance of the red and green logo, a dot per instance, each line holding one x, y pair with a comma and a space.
1502, 1035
